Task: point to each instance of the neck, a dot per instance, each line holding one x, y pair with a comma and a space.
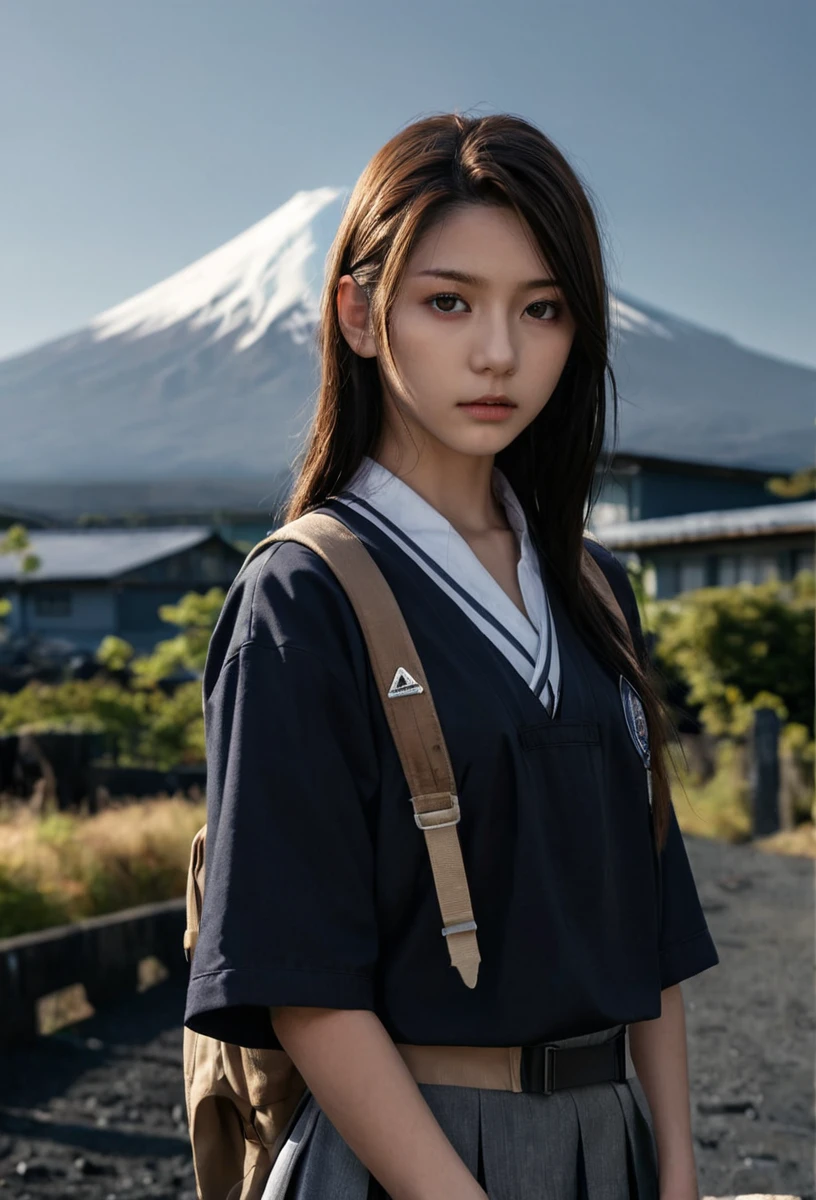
457, 485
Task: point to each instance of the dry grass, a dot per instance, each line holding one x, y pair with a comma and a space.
718, 807
800, 841
60, 868
63, 867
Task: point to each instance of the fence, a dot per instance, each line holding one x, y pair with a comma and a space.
59, 770
102, 953
780, 785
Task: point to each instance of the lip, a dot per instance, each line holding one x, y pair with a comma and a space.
489, 407
490, 397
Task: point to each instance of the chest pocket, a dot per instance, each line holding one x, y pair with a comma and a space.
566, 758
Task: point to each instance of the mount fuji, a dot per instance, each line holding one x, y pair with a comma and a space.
211, 376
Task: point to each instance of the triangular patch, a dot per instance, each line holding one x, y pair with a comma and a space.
403, 684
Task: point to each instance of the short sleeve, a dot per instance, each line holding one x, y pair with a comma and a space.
686, 945
288, 915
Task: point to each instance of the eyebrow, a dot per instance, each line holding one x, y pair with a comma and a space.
478, 281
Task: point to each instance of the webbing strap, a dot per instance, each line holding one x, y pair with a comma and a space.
411, 716
195, 892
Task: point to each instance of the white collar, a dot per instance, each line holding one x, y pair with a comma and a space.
433, 543
398, 501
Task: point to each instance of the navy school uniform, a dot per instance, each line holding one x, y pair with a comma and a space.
319, 889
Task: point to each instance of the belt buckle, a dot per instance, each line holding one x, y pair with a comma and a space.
538, 1068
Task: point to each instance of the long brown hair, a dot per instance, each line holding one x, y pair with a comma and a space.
429, 167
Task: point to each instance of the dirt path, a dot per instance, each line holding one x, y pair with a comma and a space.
98, 1112
752, 1023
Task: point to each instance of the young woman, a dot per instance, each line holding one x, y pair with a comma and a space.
464, 339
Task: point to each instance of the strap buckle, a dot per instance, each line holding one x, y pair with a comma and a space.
538, 1069
580, 1065
461, 927
436, 818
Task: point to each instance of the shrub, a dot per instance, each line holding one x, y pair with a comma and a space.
147, 721
740, 648
719, 807
26, 909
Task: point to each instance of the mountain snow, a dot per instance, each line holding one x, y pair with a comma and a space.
211, 375
272, 271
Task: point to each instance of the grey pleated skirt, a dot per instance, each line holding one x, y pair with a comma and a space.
594, 1142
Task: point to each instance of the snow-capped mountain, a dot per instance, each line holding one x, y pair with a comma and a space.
211, 375
269, 274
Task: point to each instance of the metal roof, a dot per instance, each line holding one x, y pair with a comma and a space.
766, 520
98, 553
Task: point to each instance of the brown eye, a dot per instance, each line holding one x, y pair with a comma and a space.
547, 304
444, 296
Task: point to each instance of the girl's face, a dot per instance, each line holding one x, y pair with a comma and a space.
477, 313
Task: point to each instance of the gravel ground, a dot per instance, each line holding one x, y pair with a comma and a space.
752, 1023
97, 1112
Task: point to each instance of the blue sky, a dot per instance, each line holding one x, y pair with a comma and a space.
136, 137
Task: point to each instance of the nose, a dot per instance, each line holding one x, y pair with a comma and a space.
494, 348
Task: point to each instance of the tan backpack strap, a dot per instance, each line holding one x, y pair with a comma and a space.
195, 891
411, 715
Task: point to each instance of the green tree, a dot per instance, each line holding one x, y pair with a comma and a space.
741, 647
16, 541
794, 487
144, 725
114, 653
196, 615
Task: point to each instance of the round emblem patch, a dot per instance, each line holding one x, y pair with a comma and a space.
635, 715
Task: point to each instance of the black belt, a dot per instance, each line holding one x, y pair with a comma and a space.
547, 1068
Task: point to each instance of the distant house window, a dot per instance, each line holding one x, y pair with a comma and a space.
757, 568
138, 610
728, 571
802, 561
768, 568
54, 603
210, 565
666, 579
692, 574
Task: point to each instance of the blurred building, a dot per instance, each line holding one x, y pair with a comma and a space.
718, 548
95, 582
121, 550
638, 487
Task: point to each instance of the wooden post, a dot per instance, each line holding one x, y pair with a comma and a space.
766, 773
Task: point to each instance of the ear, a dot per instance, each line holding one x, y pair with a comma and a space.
354, 318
